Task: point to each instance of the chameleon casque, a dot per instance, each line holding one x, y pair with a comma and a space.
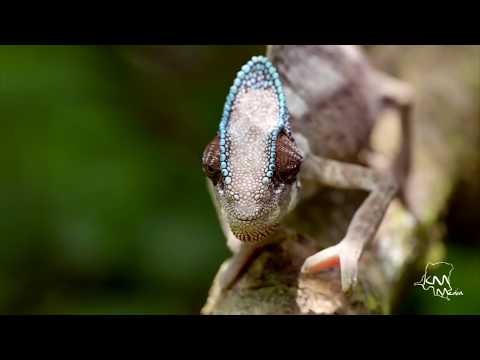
280, 140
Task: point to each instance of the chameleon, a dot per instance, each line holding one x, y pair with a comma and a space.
296, 121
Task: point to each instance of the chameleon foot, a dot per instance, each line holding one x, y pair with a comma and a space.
344, 254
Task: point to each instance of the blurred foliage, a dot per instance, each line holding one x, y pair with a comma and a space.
103, 204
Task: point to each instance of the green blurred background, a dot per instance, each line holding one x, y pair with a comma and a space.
103, 205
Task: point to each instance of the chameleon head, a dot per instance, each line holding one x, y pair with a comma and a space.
253, 161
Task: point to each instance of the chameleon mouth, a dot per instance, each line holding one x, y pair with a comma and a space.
252, 233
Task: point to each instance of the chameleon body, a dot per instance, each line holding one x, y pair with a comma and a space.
294, 122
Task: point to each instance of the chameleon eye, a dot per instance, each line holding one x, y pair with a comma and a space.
211, 160
288, 160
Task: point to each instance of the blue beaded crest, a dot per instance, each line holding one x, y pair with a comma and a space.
257, 73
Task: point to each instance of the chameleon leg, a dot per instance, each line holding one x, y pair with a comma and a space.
399, 95
366, 220
235, 265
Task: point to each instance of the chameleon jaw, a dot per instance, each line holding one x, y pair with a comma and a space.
251, 231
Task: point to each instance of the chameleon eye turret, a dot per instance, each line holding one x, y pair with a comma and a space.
211, 160
288, 161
